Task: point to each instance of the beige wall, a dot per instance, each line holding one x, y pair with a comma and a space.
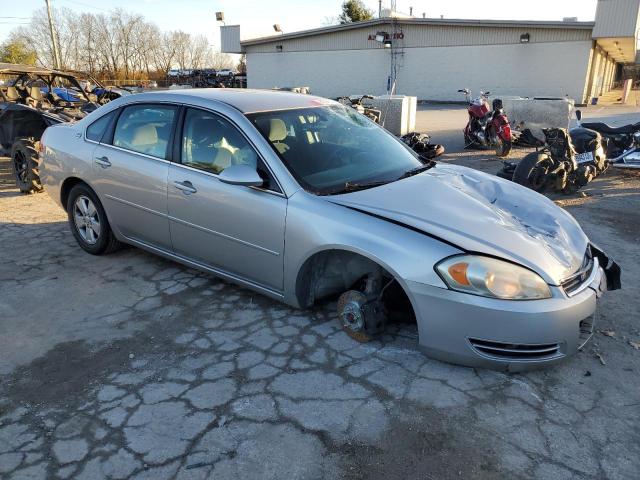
436, 73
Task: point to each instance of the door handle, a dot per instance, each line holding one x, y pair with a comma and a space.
103, 162
186, 187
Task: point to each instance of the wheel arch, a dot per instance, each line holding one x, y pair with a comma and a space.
67, 186
307, 272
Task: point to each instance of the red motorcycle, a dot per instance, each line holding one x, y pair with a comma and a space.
487, 127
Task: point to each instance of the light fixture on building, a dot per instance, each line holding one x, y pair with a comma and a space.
384, 39
525, 38
278, 48
277, 28
220, 17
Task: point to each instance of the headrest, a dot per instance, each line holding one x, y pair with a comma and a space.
12, 93
277, 130
144, 135
35, 93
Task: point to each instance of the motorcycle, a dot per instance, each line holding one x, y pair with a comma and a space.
357, 103
487, 127
622, 144
568, 161
421, 144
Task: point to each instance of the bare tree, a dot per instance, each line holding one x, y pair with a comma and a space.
199, 51
117, 44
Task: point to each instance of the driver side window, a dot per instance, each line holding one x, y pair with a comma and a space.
211, 143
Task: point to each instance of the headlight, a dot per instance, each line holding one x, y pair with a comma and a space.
490, 277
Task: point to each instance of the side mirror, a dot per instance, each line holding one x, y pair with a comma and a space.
579, 115
241, 175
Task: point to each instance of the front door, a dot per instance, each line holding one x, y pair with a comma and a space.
131, 173
236, 229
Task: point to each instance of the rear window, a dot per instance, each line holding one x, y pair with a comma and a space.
97, 129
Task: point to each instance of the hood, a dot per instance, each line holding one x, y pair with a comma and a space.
481, 213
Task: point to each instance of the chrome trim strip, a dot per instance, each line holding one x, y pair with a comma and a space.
192, 225
594, 271
214, 271
505, 359
228, 237
151, 157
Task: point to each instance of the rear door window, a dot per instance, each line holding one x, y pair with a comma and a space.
145, 129
97, 129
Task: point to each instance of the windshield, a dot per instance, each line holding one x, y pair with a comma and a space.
333, 149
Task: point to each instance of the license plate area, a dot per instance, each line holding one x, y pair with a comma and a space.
584, 157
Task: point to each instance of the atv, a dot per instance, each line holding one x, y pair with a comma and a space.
34, 98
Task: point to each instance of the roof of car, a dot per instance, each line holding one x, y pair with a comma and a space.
250, 100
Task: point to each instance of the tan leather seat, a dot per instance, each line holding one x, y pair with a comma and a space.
277, 133
12, 94
35, 98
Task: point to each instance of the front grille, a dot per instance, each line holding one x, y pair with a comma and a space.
516, 351
575, 281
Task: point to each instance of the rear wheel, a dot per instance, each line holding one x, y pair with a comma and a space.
503, 147
532, 171
88, 221
26, 165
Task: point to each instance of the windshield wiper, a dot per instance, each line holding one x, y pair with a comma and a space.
417, 170
354, 187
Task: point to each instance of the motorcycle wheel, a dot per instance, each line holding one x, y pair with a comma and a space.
470, 143
503, 147
532, 171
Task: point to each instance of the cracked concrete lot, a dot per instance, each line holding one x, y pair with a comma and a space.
128, 366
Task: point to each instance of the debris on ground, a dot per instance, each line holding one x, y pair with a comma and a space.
608, 333
601, 358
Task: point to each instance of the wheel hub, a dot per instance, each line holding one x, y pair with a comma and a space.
352, 316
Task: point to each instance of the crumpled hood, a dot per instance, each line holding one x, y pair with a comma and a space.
481, 213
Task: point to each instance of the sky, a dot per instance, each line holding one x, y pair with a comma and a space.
256, 17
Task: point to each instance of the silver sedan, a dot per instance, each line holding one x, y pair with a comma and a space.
303, 199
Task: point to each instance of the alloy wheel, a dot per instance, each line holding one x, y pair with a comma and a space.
86, 219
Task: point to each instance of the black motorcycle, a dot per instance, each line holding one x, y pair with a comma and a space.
567, 161
357, 102
622, 144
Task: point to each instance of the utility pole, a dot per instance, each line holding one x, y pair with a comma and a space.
54, 38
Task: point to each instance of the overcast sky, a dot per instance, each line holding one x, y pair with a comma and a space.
256, 17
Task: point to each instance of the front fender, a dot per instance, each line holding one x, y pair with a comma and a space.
314, 225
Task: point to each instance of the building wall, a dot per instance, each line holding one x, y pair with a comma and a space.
434, 73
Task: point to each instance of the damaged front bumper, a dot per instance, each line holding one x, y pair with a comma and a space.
612, 270
510, 335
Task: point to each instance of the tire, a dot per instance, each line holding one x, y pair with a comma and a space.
503, 147
88, 222
25, 163
470, 143
532, 170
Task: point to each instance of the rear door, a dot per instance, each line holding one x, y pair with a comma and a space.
131, 166
236, 229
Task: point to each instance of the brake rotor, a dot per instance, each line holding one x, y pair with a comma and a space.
351, 315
